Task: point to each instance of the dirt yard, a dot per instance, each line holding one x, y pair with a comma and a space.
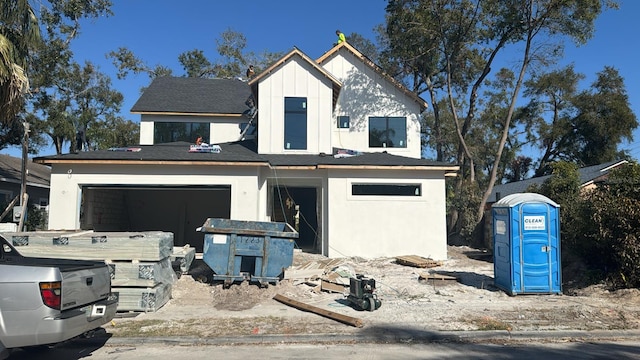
206, 309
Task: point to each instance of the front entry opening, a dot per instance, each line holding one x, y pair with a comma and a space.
298, 206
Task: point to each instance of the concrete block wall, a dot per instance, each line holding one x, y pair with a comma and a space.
104, 210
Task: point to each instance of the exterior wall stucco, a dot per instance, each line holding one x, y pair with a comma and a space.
295, 78
365, 94
383, 226
66, 183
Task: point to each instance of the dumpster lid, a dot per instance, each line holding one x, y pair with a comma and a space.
243, 227
519, 198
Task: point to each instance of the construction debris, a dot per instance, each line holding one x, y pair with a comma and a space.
417, 261
182, 258
205, 148
437, 279
332, 287
125, 149
316, 310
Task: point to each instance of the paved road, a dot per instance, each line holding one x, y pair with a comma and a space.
173, 349
360, 351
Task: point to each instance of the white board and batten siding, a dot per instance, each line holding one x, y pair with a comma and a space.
295, 78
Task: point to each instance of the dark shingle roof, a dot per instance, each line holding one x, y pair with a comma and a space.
194, 95
365, 159
238, 152
587, 175
11, 171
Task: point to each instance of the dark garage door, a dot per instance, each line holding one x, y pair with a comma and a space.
179, 210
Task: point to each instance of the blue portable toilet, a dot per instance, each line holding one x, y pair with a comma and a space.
526, 244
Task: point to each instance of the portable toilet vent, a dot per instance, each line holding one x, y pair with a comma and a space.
526, 244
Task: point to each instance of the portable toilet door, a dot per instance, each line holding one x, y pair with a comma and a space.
526, 244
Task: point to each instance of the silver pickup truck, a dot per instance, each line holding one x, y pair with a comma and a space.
48, 301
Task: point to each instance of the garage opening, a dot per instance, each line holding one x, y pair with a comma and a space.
176, 209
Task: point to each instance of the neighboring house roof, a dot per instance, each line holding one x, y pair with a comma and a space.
344, 45
587, 174
243, 153
336, 84
188, 95
11, 171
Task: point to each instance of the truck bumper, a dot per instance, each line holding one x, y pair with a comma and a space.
72, 323
66, 325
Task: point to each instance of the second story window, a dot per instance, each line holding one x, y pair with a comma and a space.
343, 122
295, 123
387, 132
165, 132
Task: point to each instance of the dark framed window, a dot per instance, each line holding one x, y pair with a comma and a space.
165, 132
295, 123
388, 132
386, 189
343, 122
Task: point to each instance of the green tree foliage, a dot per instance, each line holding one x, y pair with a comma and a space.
585, 127
19, 34
36, 219
114, 131
126, 61
365, 46
600, 225
611, 242
563, 187
73, 108
448, 48
232, 62
604, 119
71, 99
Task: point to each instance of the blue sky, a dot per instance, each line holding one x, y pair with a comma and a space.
157, 31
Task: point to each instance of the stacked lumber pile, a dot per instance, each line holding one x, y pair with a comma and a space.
417, 261
140, 262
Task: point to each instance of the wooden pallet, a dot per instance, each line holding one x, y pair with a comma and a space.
417, 261
437, 278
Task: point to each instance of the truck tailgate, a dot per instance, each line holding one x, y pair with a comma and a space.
84, 286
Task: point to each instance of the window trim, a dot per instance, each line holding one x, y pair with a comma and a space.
191, 135
305, 105
343, 118
377, 189
386, 131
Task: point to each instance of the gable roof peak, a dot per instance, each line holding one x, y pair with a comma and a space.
295, 52
368, 62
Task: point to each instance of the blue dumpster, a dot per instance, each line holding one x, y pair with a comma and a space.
239, 250
526, 244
